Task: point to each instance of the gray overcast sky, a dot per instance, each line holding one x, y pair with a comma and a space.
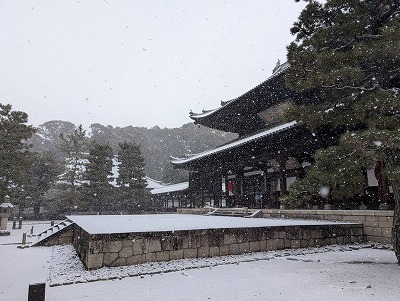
139, 63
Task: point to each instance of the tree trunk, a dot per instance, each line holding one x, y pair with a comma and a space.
391, 160
396, 223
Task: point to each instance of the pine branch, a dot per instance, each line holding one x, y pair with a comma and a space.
362, 88
347, 155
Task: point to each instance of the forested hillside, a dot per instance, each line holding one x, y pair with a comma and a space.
157, 145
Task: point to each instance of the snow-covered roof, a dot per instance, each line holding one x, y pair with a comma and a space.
153, 184
170, 188
108, 224
7, 205
236, 143
279, 69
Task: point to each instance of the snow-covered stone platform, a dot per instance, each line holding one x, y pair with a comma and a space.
118, 240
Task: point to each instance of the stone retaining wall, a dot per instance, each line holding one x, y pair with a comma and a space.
134, 248
377, 223
64, 237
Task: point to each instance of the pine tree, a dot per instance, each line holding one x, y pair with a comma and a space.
97, 190
43, 174
133, 195
15, 157
74, 147
349, 51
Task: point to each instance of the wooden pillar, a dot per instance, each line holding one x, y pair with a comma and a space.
282, 176
238, 187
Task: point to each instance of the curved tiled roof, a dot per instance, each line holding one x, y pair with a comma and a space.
279, 69
235, 143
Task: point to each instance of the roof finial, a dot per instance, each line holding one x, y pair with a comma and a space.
278, 64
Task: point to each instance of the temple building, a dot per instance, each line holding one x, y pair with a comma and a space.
267, 157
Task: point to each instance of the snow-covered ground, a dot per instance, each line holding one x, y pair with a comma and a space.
358, 272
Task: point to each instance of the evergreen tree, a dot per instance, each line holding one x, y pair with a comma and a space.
15, 158
43, 175
97, 177
349, 51
133, 195
74, 147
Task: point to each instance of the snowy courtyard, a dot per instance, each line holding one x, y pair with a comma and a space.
352, 272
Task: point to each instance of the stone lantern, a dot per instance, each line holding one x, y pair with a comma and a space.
5, 212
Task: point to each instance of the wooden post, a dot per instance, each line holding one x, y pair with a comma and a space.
282, 176
37, 291
23, 239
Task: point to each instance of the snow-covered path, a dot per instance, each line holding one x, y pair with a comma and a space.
364, 274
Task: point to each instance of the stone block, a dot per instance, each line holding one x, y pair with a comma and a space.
234, 249
204, 242
385, 225
126, 252
281, 234
185, 242
272, 244
244, 247
127, 242
194, 240
229, 238
251, 234
280, 244
94, 261
138, 246
214, 251
136, 259
203, 252
317, 233
215, 239
306, 234
112, 246
371, 218
385, 219
162, 256
96, 247
371, 224
190, 253
176, 254
224, 250
254, 246
261, 234
304, 243
119, 262
386, 232
295, 243
109, 258
263, 245
369, 231
154, 245
150, 257
287, 242
64, 240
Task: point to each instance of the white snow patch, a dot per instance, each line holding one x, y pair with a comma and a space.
105, 224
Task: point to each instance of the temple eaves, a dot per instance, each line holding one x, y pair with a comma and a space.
279, 69
235, 143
